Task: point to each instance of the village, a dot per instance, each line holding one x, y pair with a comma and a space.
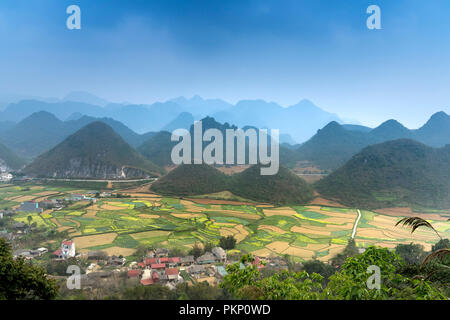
157, 266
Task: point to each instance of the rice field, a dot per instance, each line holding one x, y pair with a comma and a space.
120, 225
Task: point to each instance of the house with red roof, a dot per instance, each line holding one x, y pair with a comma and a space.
158, 266
150, 261
164, 260
147, 282
257, 262
172, 273
135, 273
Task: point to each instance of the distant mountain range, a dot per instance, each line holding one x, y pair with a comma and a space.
395, 173
301, 121
296, 123
93, 152
335, 144
41, 131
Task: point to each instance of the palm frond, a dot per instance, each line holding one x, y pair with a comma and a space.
438, 254
415, 222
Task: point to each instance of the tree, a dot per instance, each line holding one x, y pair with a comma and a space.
227, 243
441, 244
20, 280
246, 283
415, 222
196, 251
350, 250
208, 247
319, 267
350, 283
410, 253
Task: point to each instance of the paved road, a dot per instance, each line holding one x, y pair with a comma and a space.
356, 224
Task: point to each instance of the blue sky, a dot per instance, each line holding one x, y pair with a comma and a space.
278, 50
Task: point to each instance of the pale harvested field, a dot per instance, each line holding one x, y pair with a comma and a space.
242, 233
191, 207
284, 211
213, 201
407, 212
149, 234
271, 228
333, 249
94, 240
117, 251
238, 231
372, 233
225, 232
304, 230
324, 202
22, 198
347, 215
239, 214
278, 246
91, 211
111, 207
187, 215
36, 188
46, 193
61, 229
262, 253
317, 246
299, 252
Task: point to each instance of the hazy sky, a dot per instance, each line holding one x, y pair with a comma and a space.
277, 50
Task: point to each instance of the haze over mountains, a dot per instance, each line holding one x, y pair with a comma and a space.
163, 115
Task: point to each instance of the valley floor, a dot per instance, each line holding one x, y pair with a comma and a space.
120, 225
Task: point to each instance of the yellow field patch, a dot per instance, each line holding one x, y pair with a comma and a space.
94, 240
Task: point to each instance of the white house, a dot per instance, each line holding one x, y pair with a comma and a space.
66, 251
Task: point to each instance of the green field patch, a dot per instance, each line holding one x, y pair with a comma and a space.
311, 214
226, 219
335, 209
66, 223
125, 241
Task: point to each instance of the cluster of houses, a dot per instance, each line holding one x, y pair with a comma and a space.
158, 267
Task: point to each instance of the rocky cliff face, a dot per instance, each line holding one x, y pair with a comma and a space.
78, 168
